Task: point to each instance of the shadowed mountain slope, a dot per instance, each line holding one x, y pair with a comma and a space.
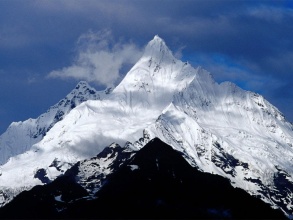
156, 182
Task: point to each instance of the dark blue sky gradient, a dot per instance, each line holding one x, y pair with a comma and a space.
246, 42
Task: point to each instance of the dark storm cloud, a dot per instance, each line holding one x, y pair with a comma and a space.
248, 42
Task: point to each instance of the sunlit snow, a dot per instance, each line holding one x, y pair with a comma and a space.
183, 106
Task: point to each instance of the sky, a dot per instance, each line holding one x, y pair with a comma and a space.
48, 46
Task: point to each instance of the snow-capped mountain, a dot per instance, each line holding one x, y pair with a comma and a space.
20, 136
155, 182
219, 128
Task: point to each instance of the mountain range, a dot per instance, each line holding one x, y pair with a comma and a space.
224, 133
154, 182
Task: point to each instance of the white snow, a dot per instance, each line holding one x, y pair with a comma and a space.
20, 136
134, 167
58, 198
166, 98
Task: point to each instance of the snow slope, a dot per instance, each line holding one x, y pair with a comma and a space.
154, 182
236, 134
20, 136
220, 128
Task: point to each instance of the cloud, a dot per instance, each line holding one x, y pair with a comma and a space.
255, 37
271, 14
179, 52
98, 59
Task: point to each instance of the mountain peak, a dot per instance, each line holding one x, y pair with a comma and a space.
157, 74
20, 136
158, 39
157, 49
219, 128
81, 84
82, 88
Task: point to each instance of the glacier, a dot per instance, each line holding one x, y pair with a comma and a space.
220, 128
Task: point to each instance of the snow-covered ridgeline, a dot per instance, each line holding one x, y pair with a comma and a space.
119, 117
20, 136
234, 133
220, 128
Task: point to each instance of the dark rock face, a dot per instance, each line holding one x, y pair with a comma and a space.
41, 174
156, 182
226, 161
282, 190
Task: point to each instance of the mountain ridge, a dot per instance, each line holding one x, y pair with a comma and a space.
219, 128
20, 136
154, 182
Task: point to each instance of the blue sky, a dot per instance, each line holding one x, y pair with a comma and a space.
42, 42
